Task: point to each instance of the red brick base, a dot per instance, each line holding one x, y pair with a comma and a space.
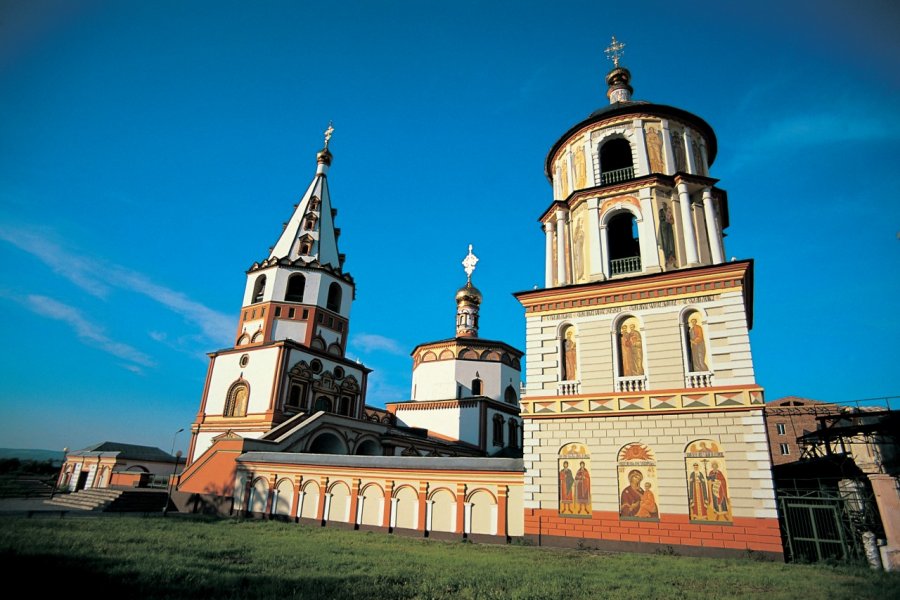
746, 533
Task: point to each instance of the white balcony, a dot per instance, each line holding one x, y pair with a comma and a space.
568, 388
637, 383
700, 379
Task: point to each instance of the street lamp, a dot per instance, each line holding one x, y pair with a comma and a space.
171, 479
173, 440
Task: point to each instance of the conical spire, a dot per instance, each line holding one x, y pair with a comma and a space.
310, 234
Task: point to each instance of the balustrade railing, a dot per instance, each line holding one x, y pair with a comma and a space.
700, 379
616, 175
619, 266
568, 388
631, 384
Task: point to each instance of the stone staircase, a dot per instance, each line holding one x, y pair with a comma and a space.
111, 500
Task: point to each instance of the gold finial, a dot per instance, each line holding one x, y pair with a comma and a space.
328, 133
469, 264
615, 51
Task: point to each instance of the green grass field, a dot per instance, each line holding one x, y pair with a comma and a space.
145, 558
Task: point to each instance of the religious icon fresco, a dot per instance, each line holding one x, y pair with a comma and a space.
569, 355
575, 481
631, 347
637, 483
707, 482
696, 342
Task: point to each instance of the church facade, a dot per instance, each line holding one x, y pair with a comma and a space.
641, 423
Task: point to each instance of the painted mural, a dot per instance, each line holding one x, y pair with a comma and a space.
707, 482
637, 483
667, 234
696, 343
631, 347
678, 150
580, 180
655, 149
575, 481
570, 355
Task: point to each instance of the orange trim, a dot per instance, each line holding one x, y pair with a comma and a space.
648, 412
720, 388
388, 494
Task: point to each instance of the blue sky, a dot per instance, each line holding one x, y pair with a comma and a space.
149, 153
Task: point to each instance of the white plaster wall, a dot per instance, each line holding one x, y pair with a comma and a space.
445, 421
490, 374
251, 283
741, 434
321, 298
470, 424
251, 327
259, 373
434, 380
289, 330
728, 348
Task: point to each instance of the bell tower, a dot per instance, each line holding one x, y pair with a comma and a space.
640, 378
288, 359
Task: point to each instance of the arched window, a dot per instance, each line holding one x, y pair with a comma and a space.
259, 288
513, 434
323, 403
334, 298
314, 203
236, 400
296, 395
510, 395
345, 406
498, 430
295, 287
616, 163
310, 222
476, 387
623, 245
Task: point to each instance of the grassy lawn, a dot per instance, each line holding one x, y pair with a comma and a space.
186, 558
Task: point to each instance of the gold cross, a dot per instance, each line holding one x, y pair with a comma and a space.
328, 133
615, 51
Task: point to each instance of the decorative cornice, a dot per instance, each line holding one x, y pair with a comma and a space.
643, 288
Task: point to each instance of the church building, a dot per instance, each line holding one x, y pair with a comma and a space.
640, 427
643, 420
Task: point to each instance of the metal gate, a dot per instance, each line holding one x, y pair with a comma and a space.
822, 524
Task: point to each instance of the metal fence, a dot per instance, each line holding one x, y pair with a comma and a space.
823, 524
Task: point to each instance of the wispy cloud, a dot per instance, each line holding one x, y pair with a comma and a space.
97, 277
369, 342
89, 333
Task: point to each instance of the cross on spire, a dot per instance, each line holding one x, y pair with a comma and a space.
328, 133
615, 51
469, 264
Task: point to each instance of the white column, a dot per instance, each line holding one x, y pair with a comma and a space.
359, 509
300, 503
594, 239
604, 245
667, 145
393, 520
274, 509
704, 168
687, 225
561, 238
712, 228
647, 239
467, 514
326, 513
643, 166
548, 271
589, 163
428, 510
689, 152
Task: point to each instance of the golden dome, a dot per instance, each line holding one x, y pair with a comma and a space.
468, 293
